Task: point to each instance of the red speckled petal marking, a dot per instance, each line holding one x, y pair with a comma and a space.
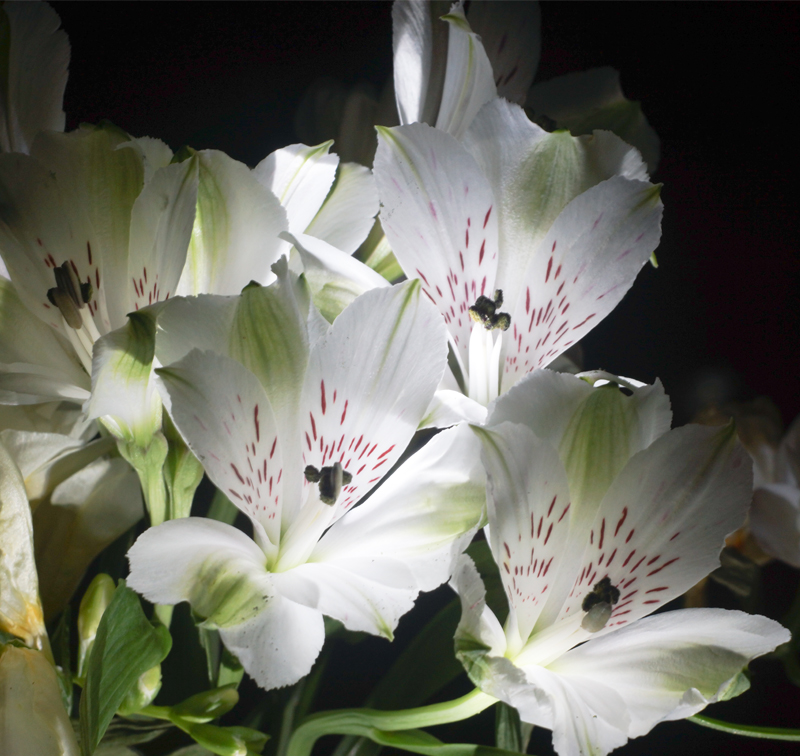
663, 522
581, 270
369, 383
528, 517
439, 216
223, 413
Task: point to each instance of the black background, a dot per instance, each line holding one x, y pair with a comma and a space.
718, 82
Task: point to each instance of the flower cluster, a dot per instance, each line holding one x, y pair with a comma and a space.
166, 316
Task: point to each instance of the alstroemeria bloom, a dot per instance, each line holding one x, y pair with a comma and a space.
93, 225
598, 515
557, 226
296, 444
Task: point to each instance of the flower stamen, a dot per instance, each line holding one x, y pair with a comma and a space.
330, 479
484, 311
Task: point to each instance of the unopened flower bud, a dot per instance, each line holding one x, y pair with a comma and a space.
143, 693
93, 605
207, 705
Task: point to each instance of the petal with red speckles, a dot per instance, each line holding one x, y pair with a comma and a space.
584, 266
369, 383
511, 36
663, 521
440, 219
528, 501
161, 228
222, 412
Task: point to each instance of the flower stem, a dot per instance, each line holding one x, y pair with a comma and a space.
748, 731
363, 722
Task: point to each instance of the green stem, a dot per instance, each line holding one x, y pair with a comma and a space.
363, 722
747, 731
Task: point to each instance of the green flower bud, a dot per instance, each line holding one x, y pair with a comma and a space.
93, 604
219, 740
207, 705
143, 693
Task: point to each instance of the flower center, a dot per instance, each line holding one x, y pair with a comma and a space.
598, 605
485, 311
71, 297
330, 479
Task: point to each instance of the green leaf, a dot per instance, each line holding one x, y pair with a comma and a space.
507, 728
125, 647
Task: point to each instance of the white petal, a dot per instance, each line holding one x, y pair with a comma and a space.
528, 501
222, 412
280, 645
775, 521
419, 61
369, 383
300, 177
671, 665
511, 35
664, 519
349, 210
587, 100
204, 322
439, 217
335, 278
534, 175
596, 430
161, 227
48, 459
35, 73
38, 231
589, 719
123, 385
468, 82
478, 625
99, 176
204, 562
586, 263
34, 718
235, 235
423, 515
364, 594
87, 512
450, 407
20, 609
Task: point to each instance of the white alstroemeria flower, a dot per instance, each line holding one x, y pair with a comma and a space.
36, 56
93, 226
295, 444
557, 226
598, 515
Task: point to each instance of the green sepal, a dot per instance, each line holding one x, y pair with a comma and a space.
125, 647
224, 741
182, 472
508, 733
377, 254
143, 693
184, 153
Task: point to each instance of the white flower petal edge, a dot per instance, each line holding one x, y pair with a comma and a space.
35, 69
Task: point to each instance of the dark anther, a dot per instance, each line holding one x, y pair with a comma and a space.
330, 479
485, 311
70, 295
603, 592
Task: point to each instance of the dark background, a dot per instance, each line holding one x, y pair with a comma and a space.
718, 82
